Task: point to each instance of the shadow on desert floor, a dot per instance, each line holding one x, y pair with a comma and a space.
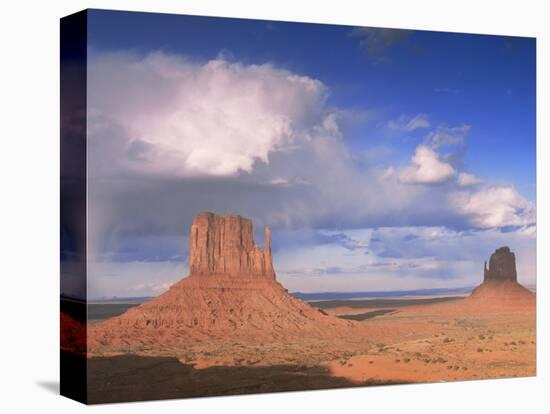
138, 378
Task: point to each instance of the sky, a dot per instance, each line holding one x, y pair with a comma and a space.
382, 159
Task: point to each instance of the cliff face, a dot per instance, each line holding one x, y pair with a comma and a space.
502, 266
224, 245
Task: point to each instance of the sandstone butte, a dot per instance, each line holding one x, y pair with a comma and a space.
500, 288
231, 292
499, 292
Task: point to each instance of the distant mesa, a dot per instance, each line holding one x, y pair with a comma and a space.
499, 292
500, 289
502, 266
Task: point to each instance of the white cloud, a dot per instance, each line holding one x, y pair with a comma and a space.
426, 167
466, 180
153, 287
444, 135
388, 172
495, 206
408, 124
279, 181
161, 114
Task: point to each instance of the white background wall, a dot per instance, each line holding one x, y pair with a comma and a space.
29, 204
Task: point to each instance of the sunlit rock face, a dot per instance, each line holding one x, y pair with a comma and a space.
224, 245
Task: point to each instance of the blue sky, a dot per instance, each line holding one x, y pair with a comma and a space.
486, 81
371, 152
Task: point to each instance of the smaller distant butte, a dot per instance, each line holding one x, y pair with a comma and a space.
502, 266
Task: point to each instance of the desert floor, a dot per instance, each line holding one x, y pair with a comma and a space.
406, 344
